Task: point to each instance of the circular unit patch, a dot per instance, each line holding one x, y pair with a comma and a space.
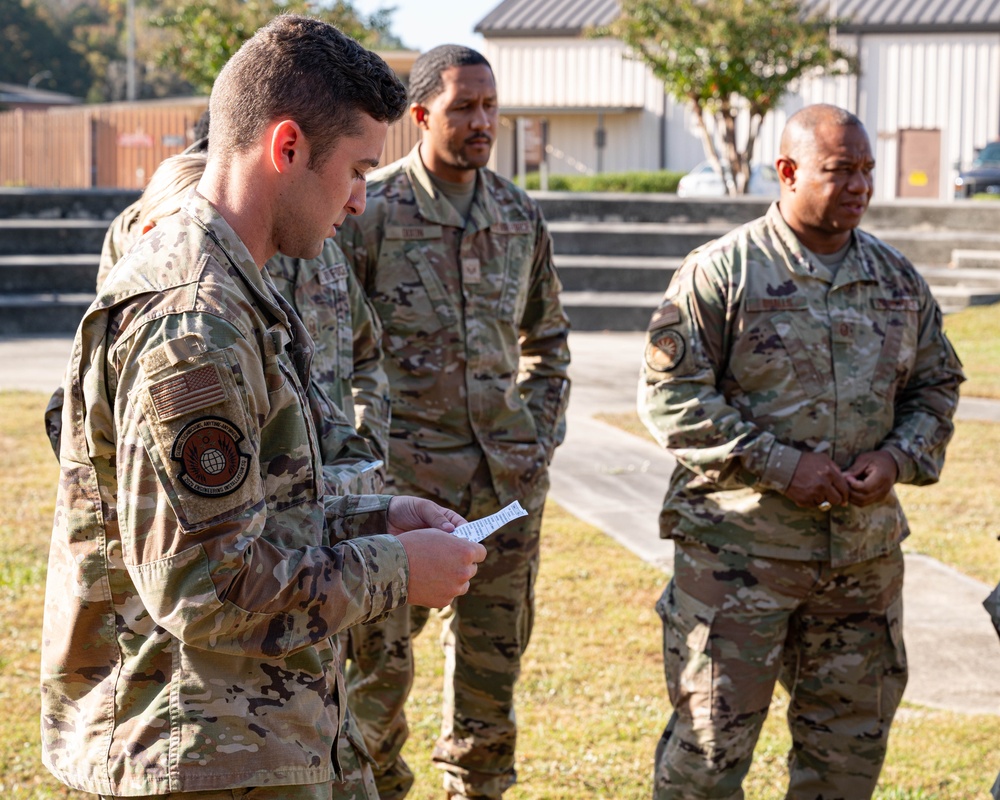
665, 350
210, 458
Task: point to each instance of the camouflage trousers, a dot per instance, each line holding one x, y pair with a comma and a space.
485, 633
733, 625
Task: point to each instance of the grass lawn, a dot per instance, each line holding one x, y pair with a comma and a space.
591, 700
975, 332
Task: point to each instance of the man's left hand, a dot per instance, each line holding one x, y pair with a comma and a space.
412, 513
871, 477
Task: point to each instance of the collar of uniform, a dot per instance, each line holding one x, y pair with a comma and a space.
435, 207
215, 225
856, 267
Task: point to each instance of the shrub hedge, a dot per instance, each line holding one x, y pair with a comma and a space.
661, 181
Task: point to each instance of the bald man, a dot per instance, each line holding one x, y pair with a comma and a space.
796, 369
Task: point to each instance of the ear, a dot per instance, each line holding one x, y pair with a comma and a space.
288, 146
786, 171
418, 114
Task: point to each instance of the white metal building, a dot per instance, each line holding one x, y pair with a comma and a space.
928, 90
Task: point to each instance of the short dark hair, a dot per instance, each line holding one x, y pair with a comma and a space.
425, 77
306, 70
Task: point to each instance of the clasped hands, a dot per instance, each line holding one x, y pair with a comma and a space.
818, 480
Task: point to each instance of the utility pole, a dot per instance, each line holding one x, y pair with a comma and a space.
130, 50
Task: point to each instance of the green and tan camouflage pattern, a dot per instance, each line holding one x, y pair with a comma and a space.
474, 334
354, 473
733, 625
188, 639
486, 631
347, 361
475, 341
758, 353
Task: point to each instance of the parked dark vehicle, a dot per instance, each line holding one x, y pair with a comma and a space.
982, 176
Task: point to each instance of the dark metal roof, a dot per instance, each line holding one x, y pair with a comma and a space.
904, 16
546, 17
571, 17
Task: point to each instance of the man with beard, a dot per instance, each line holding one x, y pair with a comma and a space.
457, 262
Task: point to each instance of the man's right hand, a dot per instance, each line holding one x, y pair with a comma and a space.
441, 566
817, 479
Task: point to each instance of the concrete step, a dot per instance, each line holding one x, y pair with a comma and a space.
610, 311
20, 237
48, 273
956, 215
650, 239
935, 247
971, 277
103, 204
615, 273
42, 312
976, 259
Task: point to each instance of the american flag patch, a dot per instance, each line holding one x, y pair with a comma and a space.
188, 392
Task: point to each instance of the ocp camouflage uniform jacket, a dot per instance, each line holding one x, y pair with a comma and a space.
194, 583
352, 471
757, 354
347, 361
475, 337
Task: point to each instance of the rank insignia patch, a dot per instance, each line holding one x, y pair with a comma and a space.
210, 458
665, 350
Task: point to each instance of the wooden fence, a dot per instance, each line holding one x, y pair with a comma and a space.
116, 145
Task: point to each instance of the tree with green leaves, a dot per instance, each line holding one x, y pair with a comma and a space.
35, 53
204, 34
728, 57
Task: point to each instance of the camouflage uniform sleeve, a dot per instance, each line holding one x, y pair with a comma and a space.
370, 383
679, 400
924, 409
543, 378
109, 256
199, 538
348, 460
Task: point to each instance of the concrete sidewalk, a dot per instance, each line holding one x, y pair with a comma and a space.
616, 481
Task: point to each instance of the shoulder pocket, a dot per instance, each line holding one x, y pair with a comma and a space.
194, 429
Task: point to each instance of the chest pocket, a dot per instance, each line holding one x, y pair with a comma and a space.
518, 245
330, 323
897, 316
774, 339
409, 297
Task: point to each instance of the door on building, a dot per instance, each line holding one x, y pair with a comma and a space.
919, 171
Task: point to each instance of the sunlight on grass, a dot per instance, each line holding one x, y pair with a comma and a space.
975, 333
591, 701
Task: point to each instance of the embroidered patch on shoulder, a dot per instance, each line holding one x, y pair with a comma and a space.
187, 392
208, 451
665, 350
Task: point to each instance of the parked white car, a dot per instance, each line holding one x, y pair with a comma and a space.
703, 181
